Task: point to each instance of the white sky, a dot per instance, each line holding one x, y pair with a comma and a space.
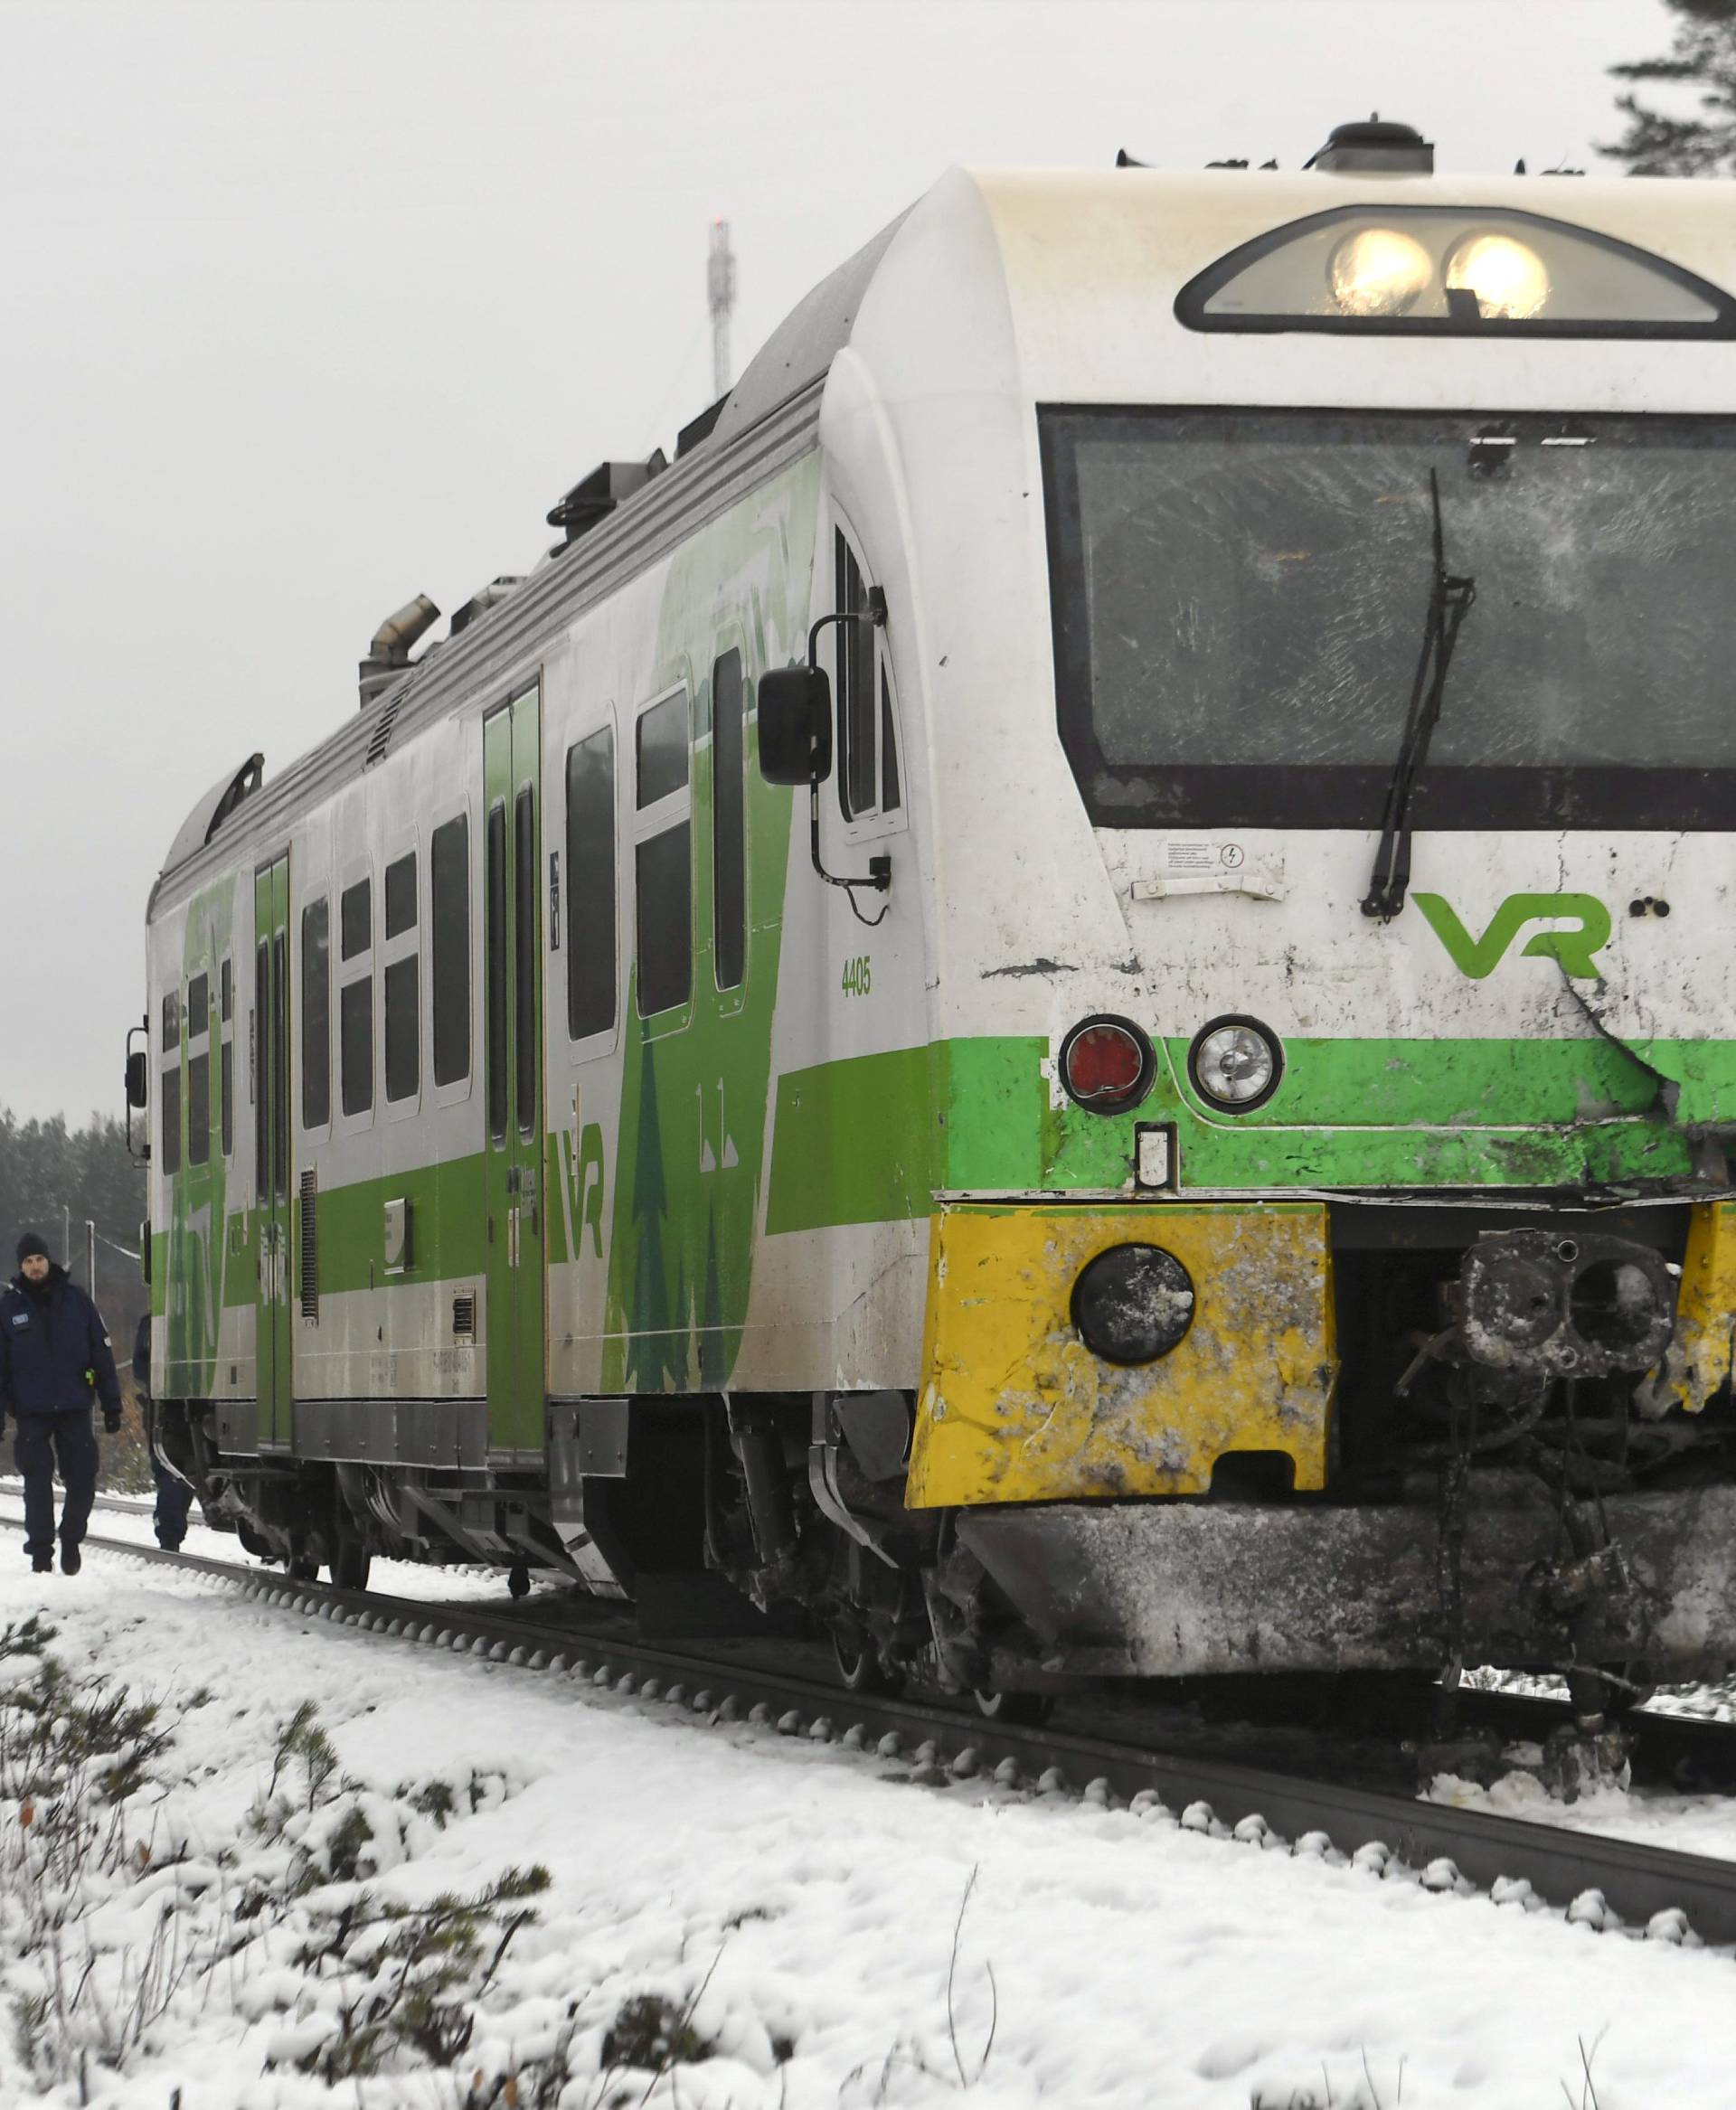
306, 307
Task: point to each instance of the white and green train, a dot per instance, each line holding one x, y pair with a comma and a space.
861, 1038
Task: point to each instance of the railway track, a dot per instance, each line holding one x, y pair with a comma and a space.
1604, 1882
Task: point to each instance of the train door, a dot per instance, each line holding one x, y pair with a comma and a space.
512, 772
271, 1145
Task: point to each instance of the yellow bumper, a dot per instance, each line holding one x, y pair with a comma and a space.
1015, 1407
1700, 1356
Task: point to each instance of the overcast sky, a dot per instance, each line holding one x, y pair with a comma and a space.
306, 308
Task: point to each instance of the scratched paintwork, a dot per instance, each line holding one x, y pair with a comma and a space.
1015, 1407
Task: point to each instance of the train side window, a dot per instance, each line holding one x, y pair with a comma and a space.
663, 870
590, 885
891, 795
172, 1021
526, 956
169, 1102
198, 1071
316, 1013
261, 1034
280, 1064
355, 919
869, 781
495, 907
226, 1080
355, 1044
403, 1039
400, 896
448, 866
728, 824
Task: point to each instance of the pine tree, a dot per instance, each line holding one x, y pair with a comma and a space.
1703, 55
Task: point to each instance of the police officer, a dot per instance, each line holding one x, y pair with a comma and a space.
54, 1355
174, 1497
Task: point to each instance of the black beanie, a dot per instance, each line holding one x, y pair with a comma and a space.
32, 1242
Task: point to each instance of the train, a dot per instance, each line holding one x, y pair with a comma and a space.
1061, 1006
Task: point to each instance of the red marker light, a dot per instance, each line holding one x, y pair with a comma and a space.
1106, 1065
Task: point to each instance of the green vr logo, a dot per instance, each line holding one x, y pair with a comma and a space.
1478, 956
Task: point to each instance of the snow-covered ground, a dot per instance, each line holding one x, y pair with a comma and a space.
823, 1932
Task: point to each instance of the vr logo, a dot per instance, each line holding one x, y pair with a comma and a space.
1479, 956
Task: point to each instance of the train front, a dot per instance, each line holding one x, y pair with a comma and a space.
1335, 1262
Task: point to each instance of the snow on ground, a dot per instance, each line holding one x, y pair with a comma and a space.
795, 1904
394, 1579
1686, 1824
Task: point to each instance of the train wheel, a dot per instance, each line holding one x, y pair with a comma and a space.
350, 1565
860, 1667
1018, 1710
303, 1566
518, 1579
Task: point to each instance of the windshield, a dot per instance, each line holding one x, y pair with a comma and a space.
1239, 599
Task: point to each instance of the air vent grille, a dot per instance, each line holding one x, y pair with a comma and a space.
379, 739
464, 1315
310, 1246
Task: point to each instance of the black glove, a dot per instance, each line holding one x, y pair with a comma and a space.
111, 1420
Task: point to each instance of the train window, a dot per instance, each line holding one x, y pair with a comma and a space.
449, 864
355, 1044
856, 716
198, 1108
261, 1034
171, 1020
590, 885
890, 796
169, 1104
1450, 270
403, 1038
316, 1014
228, 1001
662, 737
524, 955
496, 910
400, 896
198, 1005
355, 919
728, 824
867, 739
663, 875
226, 1094
280, 1064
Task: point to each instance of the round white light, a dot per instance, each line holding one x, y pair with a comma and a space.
1234, 1064
1378, 271
1508, 278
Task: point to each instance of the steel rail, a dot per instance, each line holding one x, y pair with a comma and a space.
1601, 1881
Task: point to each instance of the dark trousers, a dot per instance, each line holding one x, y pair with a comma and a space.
41, 1438
174, 1499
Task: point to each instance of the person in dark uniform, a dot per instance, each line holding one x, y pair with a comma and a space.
174, 1497
55, 1359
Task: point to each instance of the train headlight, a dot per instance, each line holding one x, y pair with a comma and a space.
1107, 1064
1378, 271
1507, 276
1234, 1063
1133, 1304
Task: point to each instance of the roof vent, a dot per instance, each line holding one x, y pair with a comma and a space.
1374, 148
486, 598
597, 495
389, 654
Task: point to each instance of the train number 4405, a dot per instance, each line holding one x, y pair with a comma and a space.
858, 975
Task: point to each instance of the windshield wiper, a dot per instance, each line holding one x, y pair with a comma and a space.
1449, 602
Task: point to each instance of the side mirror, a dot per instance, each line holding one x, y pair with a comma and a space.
795, 725
138, 1085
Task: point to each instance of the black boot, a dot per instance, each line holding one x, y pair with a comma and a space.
72, 1560
43, 1563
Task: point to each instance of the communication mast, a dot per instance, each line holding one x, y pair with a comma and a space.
720, 289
